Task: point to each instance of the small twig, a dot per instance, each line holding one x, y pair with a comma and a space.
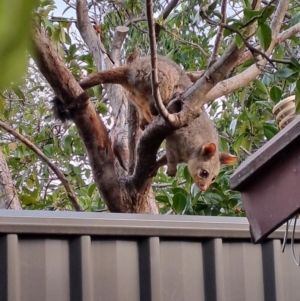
165, 185
186, 42
164, 15
134, 21
54, 168
245, 150
248, 45
255, 18
219, 37
170, 118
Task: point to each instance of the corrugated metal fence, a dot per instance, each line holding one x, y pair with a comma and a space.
61, 256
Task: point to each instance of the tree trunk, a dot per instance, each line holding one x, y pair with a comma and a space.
8, 194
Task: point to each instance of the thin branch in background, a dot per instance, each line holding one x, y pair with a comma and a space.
170, 118
166, 12
59, 174
134, 21
255, 18
166, 185
214, 55
245, 151
248, 45
187, 42
164, 15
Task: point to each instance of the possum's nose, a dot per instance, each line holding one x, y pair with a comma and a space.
203, 187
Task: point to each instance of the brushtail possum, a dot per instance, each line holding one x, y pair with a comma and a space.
196, 145
135, 78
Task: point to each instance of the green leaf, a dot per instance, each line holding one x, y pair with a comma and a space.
224, 144
179, 202
27, 200
15, 31
102, 108
62, 36
212, 7
268, 79
285, 72
249, 14
48, 150
2, 104
260, 86
48, 24
270, 131
187, 175
237, 143
267, 12
264, 35
275, 94
91, 189
72, 50
18, 92
239, 41
295, 19
295, 62
179, 190
162, 199
297, 97
68, 145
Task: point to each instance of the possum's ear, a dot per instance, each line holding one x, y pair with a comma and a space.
226, 158
134, 56
208, 149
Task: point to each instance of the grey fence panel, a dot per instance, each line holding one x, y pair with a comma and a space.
61, 256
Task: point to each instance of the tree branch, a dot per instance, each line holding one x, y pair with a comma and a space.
219, 36
88, 33
178, 38
154, 75
118, 133
242, 79
8, 193
172, 4
164, 15
42, 156
90, 127
119, 37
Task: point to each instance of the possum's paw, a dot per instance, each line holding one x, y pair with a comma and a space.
171, 171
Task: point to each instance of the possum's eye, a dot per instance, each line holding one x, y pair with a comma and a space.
213, 179
204, 173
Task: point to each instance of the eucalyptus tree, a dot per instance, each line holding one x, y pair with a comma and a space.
242, 57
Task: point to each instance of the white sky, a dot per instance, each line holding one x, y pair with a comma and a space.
61, 6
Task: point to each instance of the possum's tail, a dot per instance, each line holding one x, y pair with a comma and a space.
117, 75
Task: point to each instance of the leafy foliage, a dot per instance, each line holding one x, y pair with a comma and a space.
14, 35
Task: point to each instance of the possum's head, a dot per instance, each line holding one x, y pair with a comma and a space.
204, 164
